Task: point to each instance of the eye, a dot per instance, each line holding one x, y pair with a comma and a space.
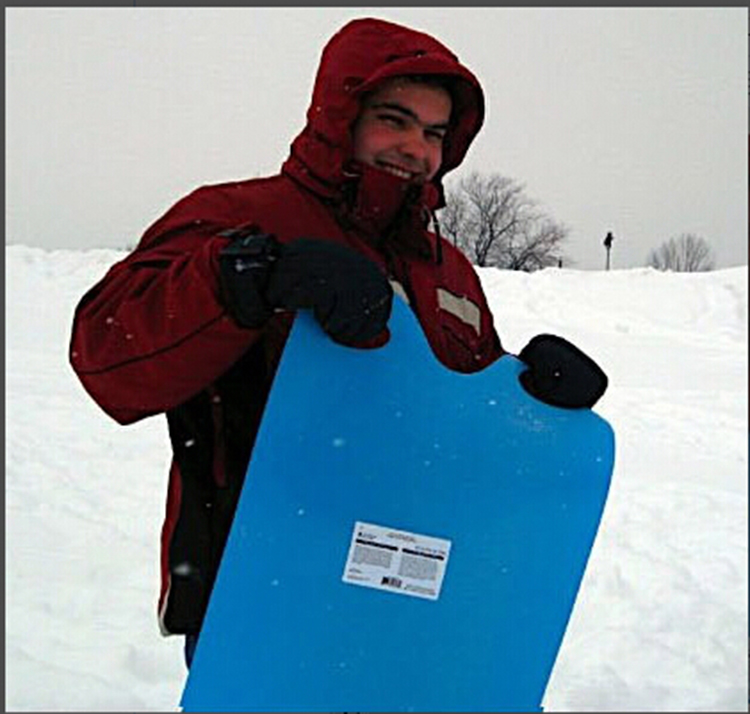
435, 136
393, 120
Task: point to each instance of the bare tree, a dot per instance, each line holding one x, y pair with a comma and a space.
538, 245
687, 253
453, 216
495, 223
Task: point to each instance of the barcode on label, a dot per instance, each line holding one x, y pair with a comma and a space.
391, 582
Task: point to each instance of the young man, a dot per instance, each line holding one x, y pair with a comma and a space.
192, 323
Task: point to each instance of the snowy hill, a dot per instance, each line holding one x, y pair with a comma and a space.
661, 620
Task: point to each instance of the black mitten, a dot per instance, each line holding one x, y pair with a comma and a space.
560, 374
244, 267
348, 294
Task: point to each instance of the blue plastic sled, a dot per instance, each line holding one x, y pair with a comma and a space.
409, 539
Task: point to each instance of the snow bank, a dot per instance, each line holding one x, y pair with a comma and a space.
661, 620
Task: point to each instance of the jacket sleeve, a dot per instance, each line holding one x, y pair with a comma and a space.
154, 331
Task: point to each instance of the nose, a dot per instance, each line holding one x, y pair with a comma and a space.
415, 143
416, 148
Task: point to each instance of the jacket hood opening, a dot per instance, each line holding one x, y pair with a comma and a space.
357, 60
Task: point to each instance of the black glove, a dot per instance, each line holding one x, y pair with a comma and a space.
349, 295
560, 374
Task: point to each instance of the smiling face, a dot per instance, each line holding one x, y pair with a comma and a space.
401, 129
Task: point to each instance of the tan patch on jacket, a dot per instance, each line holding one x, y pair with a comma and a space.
462, 308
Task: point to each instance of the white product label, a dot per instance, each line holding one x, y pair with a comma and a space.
396, 561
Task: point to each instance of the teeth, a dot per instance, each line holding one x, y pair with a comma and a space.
401, 173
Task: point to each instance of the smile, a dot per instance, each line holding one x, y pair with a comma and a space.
397, 171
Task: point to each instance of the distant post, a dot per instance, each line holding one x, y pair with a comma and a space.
608, 245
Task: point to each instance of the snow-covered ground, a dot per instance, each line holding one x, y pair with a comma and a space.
661, 621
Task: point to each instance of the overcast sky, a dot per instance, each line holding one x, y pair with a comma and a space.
630, 120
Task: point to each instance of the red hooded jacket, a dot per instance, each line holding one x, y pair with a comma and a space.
153, 336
